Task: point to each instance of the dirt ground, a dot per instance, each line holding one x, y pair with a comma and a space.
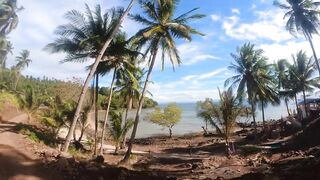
18, 156
181, 157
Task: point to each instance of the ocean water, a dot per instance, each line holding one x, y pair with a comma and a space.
190, 123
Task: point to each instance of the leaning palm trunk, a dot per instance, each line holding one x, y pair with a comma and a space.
313, 51
96, 114
90, 75
129, 106
263, 118
305, 103
107, 111
136, 121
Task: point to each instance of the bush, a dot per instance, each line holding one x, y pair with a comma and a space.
8, 99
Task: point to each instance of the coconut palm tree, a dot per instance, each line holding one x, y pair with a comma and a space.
67, 40
282, 73
250, 67
267, 93
117, 130
23, 61
223, 115
128, 85
5, 49
303, 17
161, 28
302, 72
8, 16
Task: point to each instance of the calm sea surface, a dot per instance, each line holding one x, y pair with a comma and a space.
190, 123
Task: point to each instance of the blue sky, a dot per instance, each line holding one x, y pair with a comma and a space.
228, 24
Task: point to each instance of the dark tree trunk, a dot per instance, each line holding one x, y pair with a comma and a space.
81, 134
305, 103
90, 75
170, 133
107, 111
96, 125
136, 122
313, 51
263, 118
129, 107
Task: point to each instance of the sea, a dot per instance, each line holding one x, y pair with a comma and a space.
190, 123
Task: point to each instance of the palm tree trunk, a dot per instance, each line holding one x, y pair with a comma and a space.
263, 118
254, 118
296, 102
16, 83
129, 106
305, 103
96, 95
81, 134
107, 111
136, 121
170, 133
313, 51
91, 74
286, 102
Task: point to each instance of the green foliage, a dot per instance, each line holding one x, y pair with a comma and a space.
149, 103
7, 98
117, 130
36, 134
169, 117
223, 115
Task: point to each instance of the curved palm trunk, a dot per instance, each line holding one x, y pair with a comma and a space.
129, 107
313, 51
305, 103
90, 75
263, 118
96, 95
136, 121
107, 111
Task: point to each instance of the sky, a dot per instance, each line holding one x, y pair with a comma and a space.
228, 24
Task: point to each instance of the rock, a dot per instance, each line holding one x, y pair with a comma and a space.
188, 165
197, 165
63, 164
99, 159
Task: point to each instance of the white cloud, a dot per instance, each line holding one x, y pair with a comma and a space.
211, 74
194, 52
235, 11
276, 51
215, 17
269, 25
37, 23
253, 7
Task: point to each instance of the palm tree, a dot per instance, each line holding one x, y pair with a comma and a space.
129, 86
117, 131
250, 68
67, 40
267, 92
118, 64
5, 49
160, 31
303, 17
8, 22
23, 61
223, 115
8, 16
302, 72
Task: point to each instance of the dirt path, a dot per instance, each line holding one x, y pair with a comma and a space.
17, 160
